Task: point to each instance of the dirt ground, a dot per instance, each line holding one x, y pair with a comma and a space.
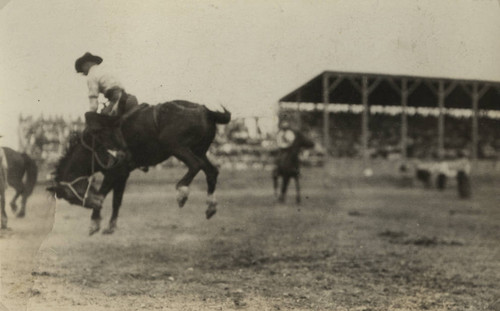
351, 245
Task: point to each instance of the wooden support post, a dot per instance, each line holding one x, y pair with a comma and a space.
404, 120
441, 97
476, 95
365, 90
327, 89
326, 117
405, 91
441, 92
365, 130
475, 124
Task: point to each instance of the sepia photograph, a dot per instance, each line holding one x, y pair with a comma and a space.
250, 155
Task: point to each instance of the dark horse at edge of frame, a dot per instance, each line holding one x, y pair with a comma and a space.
178, 128
287, 166
18, 165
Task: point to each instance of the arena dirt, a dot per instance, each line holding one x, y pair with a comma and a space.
351, 245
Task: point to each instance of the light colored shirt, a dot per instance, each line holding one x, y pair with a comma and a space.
285, 138
100, 80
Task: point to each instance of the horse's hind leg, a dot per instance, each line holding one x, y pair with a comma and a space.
194, 165
19, 187
3, 215
22, 212
275, 182
3, 186
13, 204
297, 190
211, 173
284, 188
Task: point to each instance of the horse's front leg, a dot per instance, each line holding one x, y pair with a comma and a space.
118, 190
95, 220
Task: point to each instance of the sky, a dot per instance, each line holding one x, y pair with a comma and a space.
244, 55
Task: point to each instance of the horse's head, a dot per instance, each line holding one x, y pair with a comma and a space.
71, 178
106, 130
301, 141
78, 192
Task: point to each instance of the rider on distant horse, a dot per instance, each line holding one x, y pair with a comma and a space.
100, 81
285, 136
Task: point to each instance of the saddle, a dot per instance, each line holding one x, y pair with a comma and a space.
96, 121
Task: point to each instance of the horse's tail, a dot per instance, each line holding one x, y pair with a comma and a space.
220, 117
31, 174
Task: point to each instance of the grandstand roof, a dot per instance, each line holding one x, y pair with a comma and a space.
386, 90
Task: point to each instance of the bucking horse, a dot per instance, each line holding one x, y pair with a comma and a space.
152, 134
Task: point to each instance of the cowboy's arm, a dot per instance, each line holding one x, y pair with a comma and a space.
93, 94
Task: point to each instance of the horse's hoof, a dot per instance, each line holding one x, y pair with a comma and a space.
182, 195
21, 214
4, 225
211, 210
13, 206
108, 231
93, 231
182, 201
111, 228
94, 227
210, 213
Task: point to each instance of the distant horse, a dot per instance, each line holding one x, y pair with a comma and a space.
288, 166
14, 166
181, 129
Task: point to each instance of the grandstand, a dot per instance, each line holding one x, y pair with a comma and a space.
401, 117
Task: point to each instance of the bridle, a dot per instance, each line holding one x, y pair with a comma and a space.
90, 179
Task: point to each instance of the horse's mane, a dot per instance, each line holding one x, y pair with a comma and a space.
73, 141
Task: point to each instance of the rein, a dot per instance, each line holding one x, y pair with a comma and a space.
90, 179
95, 155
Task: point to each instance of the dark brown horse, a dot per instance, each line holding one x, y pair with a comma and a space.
152, 134
18, 166
288, 166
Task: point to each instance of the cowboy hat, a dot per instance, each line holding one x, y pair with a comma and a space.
87, 57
